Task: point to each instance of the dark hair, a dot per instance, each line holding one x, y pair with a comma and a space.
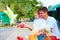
44, 9
19, 22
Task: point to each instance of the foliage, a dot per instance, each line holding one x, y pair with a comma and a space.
23, 8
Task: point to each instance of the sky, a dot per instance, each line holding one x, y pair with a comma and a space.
49, 2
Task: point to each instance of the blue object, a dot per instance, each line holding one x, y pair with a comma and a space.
40, 37
53, 7
4, 18
0, 15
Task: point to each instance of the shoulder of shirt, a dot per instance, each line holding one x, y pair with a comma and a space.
35, 20
52, 18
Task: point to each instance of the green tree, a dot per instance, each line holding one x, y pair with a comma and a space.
24, 8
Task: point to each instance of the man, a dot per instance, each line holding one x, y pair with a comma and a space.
50, 21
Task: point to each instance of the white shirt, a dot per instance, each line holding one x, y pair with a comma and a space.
39, 24
52, 23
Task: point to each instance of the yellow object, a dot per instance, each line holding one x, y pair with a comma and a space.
32, 37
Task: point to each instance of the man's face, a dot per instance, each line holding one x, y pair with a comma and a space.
42, 14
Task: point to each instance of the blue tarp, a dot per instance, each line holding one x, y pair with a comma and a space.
53, 7
0, 15
5, 19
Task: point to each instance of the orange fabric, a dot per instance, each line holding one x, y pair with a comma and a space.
32, 37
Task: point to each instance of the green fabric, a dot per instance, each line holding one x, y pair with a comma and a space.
9, 12
0, 15
5, 19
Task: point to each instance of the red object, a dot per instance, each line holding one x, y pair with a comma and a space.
21, 25
58, 39
19, 38
53, 37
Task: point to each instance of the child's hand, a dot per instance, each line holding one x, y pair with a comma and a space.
41, 32
21, 25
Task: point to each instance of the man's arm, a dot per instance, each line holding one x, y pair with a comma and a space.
55, 29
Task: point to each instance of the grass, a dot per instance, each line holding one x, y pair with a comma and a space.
6, 26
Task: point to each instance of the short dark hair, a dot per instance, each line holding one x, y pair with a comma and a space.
44, 9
